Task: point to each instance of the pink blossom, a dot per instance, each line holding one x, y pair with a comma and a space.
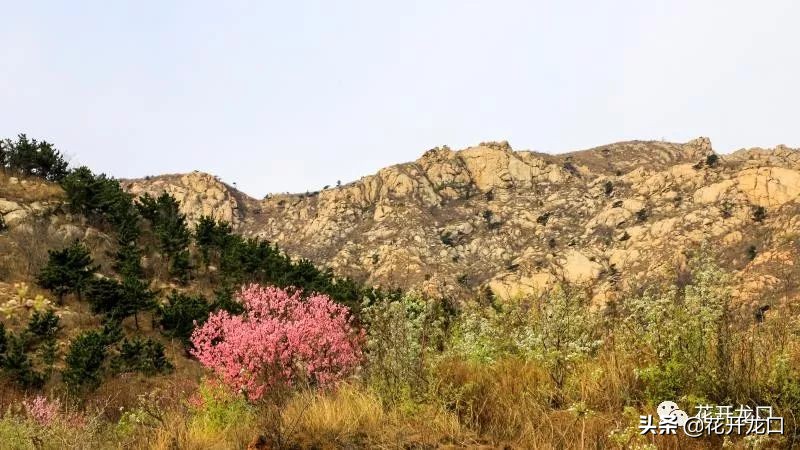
42, 410
281, 338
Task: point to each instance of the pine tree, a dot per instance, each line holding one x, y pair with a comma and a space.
212, 238
29, 157
180, 316
120, 300
170, 227
84, 360
127, 259
67, 270
204, 234
97, 197
137, 298
17, 366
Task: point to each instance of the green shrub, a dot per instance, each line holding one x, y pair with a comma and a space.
752, 252
43, 325
119, 300
84, 360
726, 210
67, 270
664, 381
18, 366
141, 355
225, 301
559, 331
608, 188
215, 408
16, 433
759, 213
477, 335
402, 334
783, 387
683, 333
181, 314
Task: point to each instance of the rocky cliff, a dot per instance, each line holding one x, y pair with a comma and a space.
452, 222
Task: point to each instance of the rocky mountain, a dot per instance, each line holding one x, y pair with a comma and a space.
452, 222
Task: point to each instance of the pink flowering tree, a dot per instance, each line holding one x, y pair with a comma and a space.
280, 339
41, 410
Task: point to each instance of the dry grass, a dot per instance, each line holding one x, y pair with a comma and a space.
353, 417
29, 189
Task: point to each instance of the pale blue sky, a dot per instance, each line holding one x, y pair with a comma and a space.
293, 95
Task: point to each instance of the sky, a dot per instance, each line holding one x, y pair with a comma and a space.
294, 95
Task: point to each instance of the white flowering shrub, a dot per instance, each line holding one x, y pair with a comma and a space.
563, 331
479, 335
557, 329
403, 336
684, 332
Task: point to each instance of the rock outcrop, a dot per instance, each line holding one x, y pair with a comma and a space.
518, 221
200, 194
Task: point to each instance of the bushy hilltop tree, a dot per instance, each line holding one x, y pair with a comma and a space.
169, 225
67, 270
29, 157
97, 197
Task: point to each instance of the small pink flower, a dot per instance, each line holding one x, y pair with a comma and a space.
42, 410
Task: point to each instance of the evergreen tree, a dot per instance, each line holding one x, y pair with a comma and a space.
98, 197
212, 238
29, 157
67, 270
204, 236
148, 207
84, 360
181, 314
18, 367
127, 259
43, 325
137, 298
104, 296
120, 300
141, 355
102, 199
169, 225
4, 150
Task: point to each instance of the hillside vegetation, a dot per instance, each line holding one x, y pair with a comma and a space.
476, 299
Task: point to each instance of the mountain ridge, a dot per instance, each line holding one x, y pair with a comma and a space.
452, 222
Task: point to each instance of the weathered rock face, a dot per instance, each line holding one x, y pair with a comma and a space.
14, 213
518, 221
200, 194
